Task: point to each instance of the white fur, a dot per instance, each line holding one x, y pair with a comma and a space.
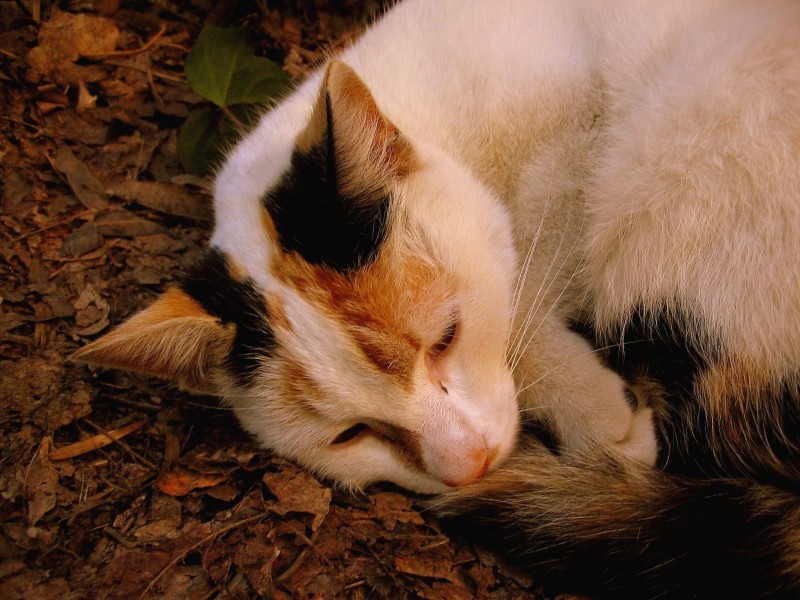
650, 150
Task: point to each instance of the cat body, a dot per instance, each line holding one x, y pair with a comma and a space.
411, 251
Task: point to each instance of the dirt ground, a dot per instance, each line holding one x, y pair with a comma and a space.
98, 218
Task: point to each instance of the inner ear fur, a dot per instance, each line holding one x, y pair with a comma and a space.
369, 150
174, 339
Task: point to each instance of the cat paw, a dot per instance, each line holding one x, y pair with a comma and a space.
640, 444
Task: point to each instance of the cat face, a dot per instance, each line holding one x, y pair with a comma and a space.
356, 315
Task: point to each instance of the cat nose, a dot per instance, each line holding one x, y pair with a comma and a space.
459, 463
473, 469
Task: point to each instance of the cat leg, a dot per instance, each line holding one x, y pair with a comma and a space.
564, 385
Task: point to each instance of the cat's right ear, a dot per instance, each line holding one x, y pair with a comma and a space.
174, 339
331, 207
365, 148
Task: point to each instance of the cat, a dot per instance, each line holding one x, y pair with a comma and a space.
539, 260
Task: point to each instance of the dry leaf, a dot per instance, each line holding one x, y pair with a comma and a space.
84, 185
167, 198
81, 241
48, 395
123, 223
63, 39
180, 481
298, 491
41, 482
92, 312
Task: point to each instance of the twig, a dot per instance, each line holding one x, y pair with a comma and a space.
152, 86
146, 45
20, 122
184, 553
66, 221
229, 113
125, 446
159, 74
95, 442
118, 537
24, 8
301, 557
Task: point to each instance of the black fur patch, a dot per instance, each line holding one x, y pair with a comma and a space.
238, 302
314, 220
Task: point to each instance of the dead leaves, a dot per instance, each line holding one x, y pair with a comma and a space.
297, 491
84, 185
41, 481
181, 481
66, 37
95, 442
46, 395
167, 198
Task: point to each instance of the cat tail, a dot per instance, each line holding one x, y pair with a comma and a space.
601, 525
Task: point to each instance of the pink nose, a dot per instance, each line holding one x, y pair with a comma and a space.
459, 464
474, 467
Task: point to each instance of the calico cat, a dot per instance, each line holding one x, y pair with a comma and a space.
578, 215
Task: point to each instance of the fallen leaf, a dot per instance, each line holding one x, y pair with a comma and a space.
15, 190
41, 482
86, 187
92, 312
82, 241
298, 491
63, 39
180, 481
393, 508
166, 198
123, 223
164, 520
48, 395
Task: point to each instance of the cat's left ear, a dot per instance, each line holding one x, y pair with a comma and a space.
364, 147
174, 338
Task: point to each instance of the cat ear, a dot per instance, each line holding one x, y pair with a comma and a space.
332, 205
365, 149
174, 339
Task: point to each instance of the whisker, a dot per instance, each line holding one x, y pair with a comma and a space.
579, 355
520, 335
523, 275
520, 352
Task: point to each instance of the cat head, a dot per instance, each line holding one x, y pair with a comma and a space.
355, 311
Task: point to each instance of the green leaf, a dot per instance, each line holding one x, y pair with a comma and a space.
198, 144
223, 68
208, 132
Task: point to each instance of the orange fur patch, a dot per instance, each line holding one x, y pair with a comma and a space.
392, 310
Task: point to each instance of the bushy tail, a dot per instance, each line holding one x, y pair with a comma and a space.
598, 525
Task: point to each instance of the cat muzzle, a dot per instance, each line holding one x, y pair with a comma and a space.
457, 457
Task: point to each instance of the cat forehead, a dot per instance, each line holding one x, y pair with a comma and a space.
386, 310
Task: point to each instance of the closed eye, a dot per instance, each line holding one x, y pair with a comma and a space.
350, 434
446, 340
